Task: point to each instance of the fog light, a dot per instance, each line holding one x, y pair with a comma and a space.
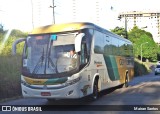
25, 92
70, 92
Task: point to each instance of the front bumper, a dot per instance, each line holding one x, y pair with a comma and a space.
68, 92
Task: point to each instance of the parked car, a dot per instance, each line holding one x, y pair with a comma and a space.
158, 63
157, 69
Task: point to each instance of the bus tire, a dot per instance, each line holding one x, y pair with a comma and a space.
95, 93
125, 85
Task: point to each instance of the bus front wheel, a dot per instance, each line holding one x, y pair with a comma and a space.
95, 93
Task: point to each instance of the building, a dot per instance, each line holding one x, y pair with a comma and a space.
66, 11
94, 11
147, 20
42, 13
84, 10
81, 11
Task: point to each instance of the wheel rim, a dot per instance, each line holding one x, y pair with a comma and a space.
126, 81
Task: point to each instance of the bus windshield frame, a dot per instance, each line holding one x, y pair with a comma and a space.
49, 55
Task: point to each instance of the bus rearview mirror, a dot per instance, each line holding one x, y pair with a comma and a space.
15, 44
78, 41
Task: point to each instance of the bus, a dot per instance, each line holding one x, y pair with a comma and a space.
103, 60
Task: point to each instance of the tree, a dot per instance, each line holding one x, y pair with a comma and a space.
138, 37
1, 32
1, 28
15, 34
18, 34
120, 31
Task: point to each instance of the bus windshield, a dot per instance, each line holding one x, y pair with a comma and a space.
49, 54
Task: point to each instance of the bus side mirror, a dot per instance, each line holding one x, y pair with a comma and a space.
78, 41
15, 44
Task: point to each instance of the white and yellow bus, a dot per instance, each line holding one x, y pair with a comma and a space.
103, 60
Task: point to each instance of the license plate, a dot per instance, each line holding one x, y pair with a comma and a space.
45, 94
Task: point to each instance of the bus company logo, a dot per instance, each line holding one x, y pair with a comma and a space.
98, 63
45, 87
6, 108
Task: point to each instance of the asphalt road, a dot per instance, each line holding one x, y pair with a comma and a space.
142, 90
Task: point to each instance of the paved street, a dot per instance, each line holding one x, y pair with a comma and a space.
142, 90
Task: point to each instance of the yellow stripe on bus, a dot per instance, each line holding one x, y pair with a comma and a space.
35, 81
58, 28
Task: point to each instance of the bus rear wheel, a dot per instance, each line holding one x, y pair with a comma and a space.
126, 81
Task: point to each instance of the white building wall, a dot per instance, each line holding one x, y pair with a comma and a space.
42, 14
146, 22
82, 11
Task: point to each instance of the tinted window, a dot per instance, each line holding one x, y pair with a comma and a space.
115, 46
98, 42
88, 39
121, 47
107, 45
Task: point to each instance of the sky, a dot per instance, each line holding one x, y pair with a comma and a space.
17, 14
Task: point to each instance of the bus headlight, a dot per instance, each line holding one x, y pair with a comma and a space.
71, 82
25, 83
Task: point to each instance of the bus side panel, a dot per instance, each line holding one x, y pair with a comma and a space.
112, 67
125, 64
117, 67
96, 67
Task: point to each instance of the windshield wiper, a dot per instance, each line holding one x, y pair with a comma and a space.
50, 60
40, 61
45, 60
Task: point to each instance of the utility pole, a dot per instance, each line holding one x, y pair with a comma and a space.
32, 15
53, 12
125, 26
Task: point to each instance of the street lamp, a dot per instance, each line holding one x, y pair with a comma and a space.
141, 49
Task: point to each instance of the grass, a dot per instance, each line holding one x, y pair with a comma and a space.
10, 76
141, 68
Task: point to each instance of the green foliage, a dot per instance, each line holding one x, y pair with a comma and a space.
10, 76
136, 33
10, 65
120, 31
18, 34
7, 49
140, 69
1, 35
1, 28
139, 38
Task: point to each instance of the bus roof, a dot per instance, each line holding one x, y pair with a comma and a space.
66, 27
62, 27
